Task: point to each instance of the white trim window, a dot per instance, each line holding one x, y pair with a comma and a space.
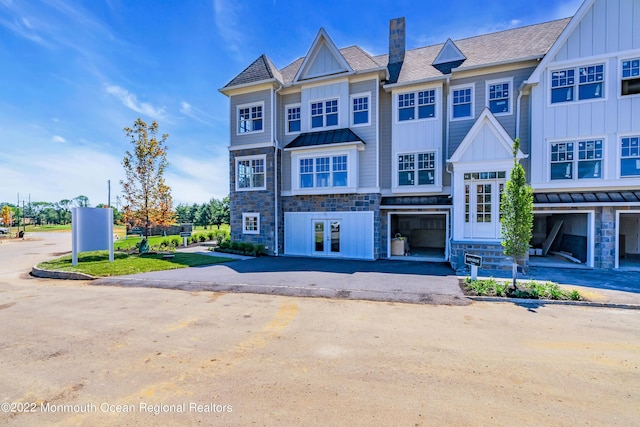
250, 223
293, 118
417, 169
499, 97
360, 110
630, 77
324, 113
462, 102
424, 108
630, 156
250, 173
588, 85
585, 157
324, 171
250, 118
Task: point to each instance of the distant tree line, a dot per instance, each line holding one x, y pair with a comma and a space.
43, 213
215, 212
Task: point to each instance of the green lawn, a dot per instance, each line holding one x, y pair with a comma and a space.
97, 263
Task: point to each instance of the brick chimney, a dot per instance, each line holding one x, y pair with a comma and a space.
396, 40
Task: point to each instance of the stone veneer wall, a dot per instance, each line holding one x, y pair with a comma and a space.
261, 202
338, 203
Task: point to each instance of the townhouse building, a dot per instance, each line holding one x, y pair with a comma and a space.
405, 155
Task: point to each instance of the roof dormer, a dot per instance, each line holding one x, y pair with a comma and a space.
449, 57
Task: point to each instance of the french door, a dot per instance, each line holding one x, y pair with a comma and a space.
482, 192
326, 237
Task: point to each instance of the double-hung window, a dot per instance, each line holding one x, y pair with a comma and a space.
360, 109
462, 102
250, 173
293, 118
416, 169
250, 118
585, 157
630, 77
630, 156
417, 105
499, 97
324, 113
323, 172
589, 84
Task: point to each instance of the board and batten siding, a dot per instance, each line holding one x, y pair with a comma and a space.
263, 96
608, 27
356, 233
339, 90
608, 32
367, 159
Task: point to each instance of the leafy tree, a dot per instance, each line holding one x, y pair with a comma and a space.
64, 213
147, 197
203, 215
82, 201
117, 215
516, 211
220, 212
183, 213
38, 211
5, 214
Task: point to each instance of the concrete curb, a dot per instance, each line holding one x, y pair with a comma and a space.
65, 275
540, 302
292, 291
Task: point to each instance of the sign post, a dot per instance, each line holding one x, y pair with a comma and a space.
185, 235
474, 261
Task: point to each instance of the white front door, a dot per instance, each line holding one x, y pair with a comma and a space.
482, 193
326, 237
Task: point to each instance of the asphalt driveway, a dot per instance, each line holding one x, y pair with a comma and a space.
380, 280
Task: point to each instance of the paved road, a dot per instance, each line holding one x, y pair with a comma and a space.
256, 359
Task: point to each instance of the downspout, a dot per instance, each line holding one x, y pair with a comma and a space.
518, 102
446, 167
274, 134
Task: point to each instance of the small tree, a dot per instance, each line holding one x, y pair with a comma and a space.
147, 197
6, 215
516, 211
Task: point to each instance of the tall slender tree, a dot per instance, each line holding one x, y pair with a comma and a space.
147, 197
516, 211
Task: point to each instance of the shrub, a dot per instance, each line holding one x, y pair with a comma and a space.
202, 237
211, 235
225, 244
235, 246
175, 241
259, 249
246, 247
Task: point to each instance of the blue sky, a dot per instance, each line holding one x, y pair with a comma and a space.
73, 74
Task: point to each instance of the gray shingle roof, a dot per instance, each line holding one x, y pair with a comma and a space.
337, 136
484, 50
504, 46
261, 69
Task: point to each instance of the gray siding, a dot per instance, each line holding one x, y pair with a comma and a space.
283, 138
385, 140
459, 129
263, 96
367, 160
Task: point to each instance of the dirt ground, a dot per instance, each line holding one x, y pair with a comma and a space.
76, 354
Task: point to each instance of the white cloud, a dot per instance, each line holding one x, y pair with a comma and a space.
198, 180
196, 113
58, 138
130, 101
225, 16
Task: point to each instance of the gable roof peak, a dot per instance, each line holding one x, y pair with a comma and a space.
336, 64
